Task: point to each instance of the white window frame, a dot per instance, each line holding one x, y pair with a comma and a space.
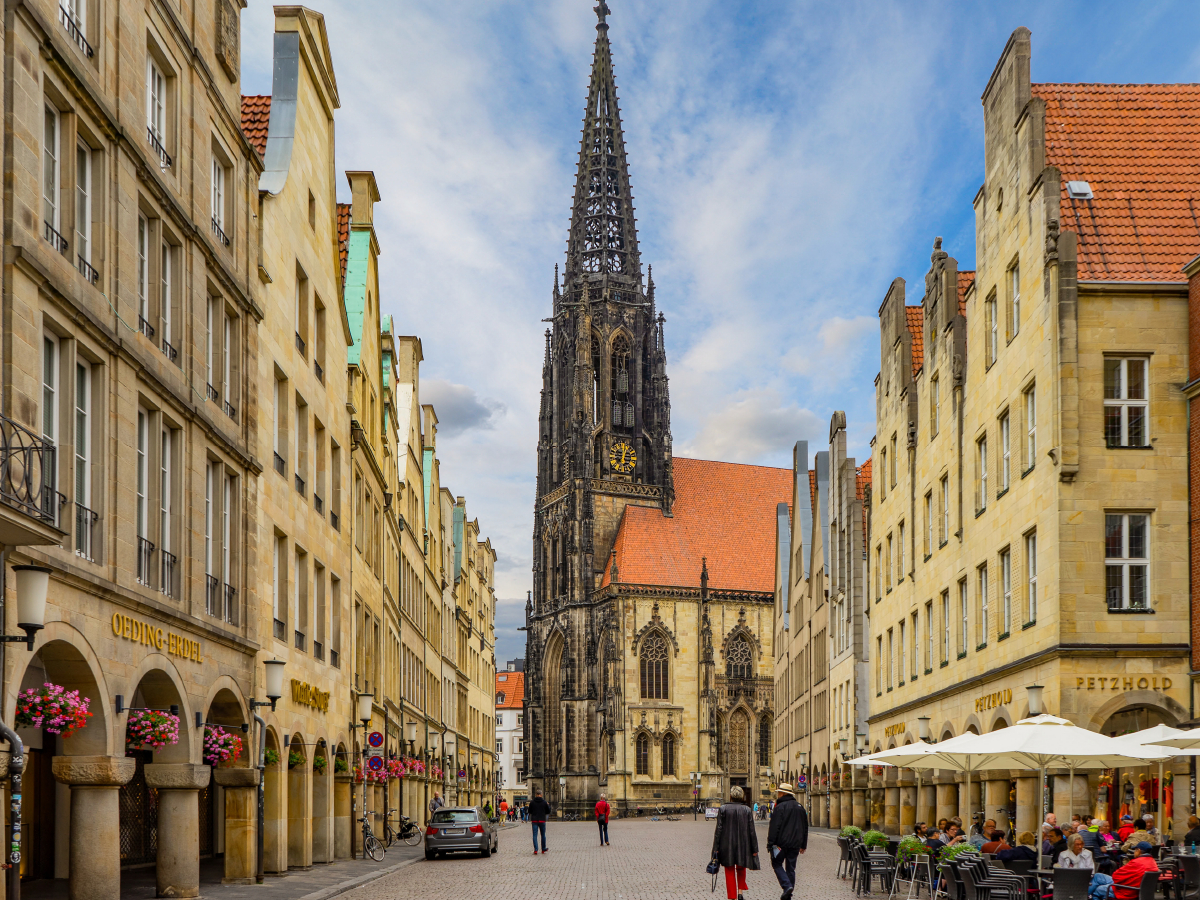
83, 433
964, 612
1005, 451
945, 482
981, 581
1126, 564
142, 513
143, 264
83, 201
900, 659
1030, 395
209, 516
156, 100
52, 167
935, 406
1031, 591
981, 467
929, 635
164, 286
226, 356
900, 555
164, 490
1006, 589
277, 600
219, 176
51, 388
929, 523
1123, 403
1014, 283
993, 333
946, 626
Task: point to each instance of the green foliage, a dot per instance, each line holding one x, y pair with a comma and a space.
319, 763
295, 758
875, 840
851, 831
954, 851
340, 765
909, 847
272, 757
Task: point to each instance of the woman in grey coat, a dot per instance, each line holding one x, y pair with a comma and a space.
735, 843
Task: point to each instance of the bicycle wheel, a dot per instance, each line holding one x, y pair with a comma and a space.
413, 837
374, 848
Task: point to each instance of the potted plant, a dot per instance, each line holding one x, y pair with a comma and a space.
221, 746
271, 757
910, 846
53, 708
150, 729
875, 840
319, 764
340, 766
851, 831
954, 850
295, 758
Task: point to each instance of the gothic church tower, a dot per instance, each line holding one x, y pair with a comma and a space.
604, 442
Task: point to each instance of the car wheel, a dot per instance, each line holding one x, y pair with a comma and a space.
486, 851
430, 854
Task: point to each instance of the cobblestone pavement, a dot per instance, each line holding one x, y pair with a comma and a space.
646, 861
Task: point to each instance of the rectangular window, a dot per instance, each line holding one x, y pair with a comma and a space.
165, 297
890, 557
891, 667
1030, 399
279, 590
945, 626
1014, 292
164, 492
981, 474
210, 485
935, 407
218, 196
879, 665
963, 614
1126, 402
900, 667
51, 171
929, 635
227, 362
1006, 591
300, 593
142, 475
892, 470
156, 102
83, 436
1127, 560
143, 276
945, 535
993, 334
879, 573
210, 345
83, 202
982, 584
929, 523
883, 473
1031, 592
900, 557
50, 364
1005, 453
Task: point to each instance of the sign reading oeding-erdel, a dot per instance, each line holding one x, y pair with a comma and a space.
152, 635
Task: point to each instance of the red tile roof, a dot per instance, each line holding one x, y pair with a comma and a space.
1138, 146
723, 512
965, 280
812, 488
915, 316
513, 689
343, 226
864, 480
256, 117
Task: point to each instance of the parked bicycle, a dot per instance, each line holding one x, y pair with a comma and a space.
406, 830
371, 845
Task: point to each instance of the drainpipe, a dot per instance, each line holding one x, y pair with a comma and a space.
15, 765
262, 797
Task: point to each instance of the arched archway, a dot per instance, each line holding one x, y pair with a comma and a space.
553, 759
343, 783
322, 803
299, 803
275, 802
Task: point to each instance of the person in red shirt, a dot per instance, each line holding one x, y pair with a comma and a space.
1126, 829
602, 819
1127, 880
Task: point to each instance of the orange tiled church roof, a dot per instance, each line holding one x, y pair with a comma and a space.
1138, 146
512, 686
863, 481
723, 512
256, 117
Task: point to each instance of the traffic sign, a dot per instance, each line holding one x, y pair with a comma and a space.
375, 763
375, 739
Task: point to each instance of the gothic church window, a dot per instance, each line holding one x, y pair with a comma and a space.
622, 407
668, 755
738, 753
643, 755
595, 380
764, 740
653, 658
739, 661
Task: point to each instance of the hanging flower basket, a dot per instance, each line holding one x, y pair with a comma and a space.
371, 776
340, 766
221, 747
396, 768
53, 708
414, 765
437, 773
271, 757
319, 764
149, 729
295, 758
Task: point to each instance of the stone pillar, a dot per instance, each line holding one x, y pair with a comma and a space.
95, 843
968, 805
322, 817
1029, 811
241, 822
847, 803
178, 864
947, 798
875, 812
908, 807
927, 801
859, 802
342, 826
996, 802
275, 845
835, 809
891, 809
1071, 795
299, 817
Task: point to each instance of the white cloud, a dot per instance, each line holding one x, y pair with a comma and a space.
458, 407
753, 427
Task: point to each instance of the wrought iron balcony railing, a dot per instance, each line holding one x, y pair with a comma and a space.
145, 327
212, 393
318, 504
85, 527
280, 464
74, 32
164, 158
300, 345
27, 472
318, 650
57, 241
333, 659
300, 485
230, 410
230, 613
335, 521
212, 588
87, 270
219, 233
319, 371
301, 641
145, 558
167, 583
169, 351
280, 630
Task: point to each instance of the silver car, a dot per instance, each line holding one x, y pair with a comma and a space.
454, 829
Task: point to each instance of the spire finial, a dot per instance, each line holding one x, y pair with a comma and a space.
601, 12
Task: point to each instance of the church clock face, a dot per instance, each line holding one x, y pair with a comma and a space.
622, 458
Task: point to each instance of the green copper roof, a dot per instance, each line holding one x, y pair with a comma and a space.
357, 256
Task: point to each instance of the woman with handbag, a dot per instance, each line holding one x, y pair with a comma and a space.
735, 844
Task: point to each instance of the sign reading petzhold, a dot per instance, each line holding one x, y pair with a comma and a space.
994, 699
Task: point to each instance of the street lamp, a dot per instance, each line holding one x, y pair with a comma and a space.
364, 706
273, 681
410, 735
1035, 699
923, 728
562, 793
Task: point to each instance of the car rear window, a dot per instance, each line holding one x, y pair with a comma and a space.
454, 817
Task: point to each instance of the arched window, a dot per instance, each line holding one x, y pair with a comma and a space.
622, 408
739, 661
739, 742
569, 740
668, 755
764, 740
643, 755
596, 380
653, 658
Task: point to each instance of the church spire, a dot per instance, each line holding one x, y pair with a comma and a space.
603, 236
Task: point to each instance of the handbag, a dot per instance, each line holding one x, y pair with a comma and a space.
712, 869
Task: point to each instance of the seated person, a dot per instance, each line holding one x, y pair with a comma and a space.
1127, 880
1025, 849
954, 834
996, 843
1155, 834
1077, 857
1193, 835
1126, 828
920, 831
1058, 843
1138, 836
935, 841
980, 837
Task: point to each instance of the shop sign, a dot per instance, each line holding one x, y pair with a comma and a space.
305, 694
1118, 683
994, 699
893, 730
151, 635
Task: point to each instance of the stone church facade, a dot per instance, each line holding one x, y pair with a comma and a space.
649, 659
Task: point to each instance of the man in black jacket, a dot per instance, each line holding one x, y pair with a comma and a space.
787, 837
539, 811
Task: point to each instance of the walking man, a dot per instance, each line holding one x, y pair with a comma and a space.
539, 811
602, 819
787, 837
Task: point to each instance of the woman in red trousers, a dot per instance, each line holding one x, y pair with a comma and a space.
735, 844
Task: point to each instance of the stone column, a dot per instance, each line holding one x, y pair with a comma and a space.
1071, 795
241, 822
927, 801
947, 797
891, 809
1029, 811
859, 802
968, 805
908, 805
847, 803
875, 813
299, 817
322, 817
275, 845
178, 785
835, 809
95, 842
342, 785
996, 802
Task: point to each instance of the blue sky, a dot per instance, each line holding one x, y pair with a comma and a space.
788, 160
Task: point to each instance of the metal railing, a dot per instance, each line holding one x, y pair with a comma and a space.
87, 270
57, 241
333, 659
230, 410
212, 393
74, 31
300, 485
145, 327
280, 464
318, 504
164, 158
145, 557
300, 345
220, 232
335, 521
85, 525
212, 589
230, 613
27, 471
301, 641
167, 583
318, 650
169, 351
281, 630
319, 371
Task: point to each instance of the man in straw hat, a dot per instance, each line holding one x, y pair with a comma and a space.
787, 837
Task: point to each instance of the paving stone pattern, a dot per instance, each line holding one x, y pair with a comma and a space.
647, 860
